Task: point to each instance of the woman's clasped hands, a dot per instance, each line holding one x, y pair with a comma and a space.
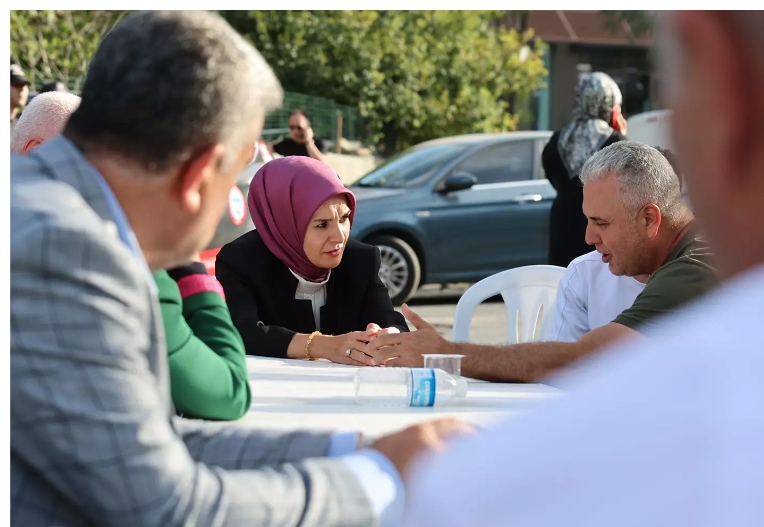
350, 347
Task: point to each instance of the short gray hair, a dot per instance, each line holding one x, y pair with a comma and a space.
43, 118
645, 176
165, 84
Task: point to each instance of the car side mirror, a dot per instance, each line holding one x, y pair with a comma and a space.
458, 181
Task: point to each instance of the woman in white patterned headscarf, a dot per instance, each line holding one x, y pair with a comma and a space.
597, 123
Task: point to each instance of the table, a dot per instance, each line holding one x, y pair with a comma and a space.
290, 394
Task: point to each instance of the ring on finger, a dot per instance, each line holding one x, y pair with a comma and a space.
348, 351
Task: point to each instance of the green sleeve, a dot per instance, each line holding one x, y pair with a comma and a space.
208, 370
667, 290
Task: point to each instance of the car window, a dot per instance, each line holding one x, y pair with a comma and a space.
502, 163
411, 167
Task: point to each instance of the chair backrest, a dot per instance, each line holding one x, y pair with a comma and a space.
529, 294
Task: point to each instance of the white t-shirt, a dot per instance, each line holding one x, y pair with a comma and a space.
590, 296
661, 432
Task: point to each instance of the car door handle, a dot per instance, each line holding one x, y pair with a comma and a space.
527, 198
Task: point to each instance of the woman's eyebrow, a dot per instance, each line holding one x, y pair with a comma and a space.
345, 212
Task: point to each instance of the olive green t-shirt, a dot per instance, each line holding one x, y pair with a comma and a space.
686, 274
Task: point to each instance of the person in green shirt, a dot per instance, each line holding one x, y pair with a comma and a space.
208, 370
638, 221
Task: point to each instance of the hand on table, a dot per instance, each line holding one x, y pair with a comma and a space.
335, 348
374, 331
408, 445
406, 349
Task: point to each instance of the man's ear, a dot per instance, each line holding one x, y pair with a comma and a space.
31, 145
202, 166
651, 216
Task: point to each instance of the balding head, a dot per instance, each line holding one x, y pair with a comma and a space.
713, 62
44, 118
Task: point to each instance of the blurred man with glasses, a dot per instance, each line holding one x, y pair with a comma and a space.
301, 141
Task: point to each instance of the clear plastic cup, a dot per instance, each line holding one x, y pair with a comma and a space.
451, 364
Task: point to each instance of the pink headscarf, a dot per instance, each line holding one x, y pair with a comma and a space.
283, 196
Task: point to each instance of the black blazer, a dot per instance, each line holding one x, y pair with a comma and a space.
260, 290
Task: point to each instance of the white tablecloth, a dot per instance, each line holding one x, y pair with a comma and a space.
294, 394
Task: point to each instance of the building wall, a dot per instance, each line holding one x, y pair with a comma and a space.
562, 82
629, 66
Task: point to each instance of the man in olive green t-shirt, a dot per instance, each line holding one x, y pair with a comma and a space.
640, 224
686, 274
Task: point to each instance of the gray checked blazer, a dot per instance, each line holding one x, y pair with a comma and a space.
93, 436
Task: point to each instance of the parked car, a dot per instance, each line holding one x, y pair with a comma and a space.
235, 220
456, 209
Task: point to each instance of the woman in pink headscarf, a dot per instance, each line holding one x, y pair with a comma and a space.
297, 286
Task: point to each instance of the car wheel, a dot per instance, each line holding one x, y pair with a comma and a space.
399, 270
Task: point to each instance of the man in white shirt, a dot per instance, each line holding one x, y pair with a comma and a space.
590, 296
639, 223
667, 431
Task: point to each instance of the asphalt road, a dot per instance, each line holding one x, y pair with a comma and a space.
437, 306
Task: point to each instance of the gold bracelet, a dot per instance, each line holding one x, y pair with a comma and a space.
307, 345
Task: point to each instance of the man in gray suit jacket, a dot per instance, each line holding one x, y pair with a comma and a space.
170, 111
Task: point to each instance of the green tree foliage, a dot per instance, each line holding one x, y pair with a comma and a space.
414, 75
53, 45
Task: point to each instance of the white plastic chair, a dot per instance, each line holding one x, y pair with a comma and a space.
529, 294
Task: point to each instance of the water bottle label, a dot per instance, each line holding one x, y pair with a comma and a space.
422, 387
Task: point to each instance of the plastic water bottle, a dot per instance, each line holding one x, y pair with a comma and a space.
385, 386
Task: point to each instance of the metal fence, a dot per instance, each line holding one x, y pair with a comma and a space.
40, 78
324, 115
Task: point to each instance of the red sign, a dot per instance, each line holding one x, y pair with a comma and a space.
237, 206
